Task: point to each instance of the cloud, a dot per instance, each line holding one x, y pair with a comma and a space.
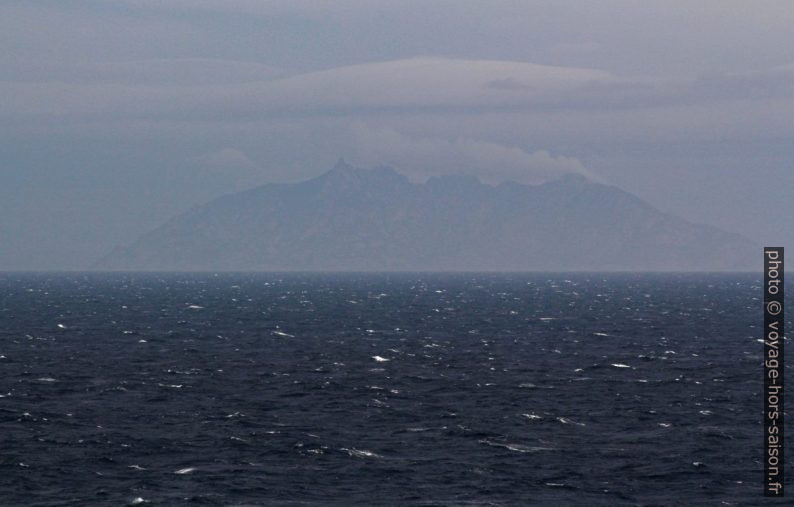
416, 87
216, 89
492, 162
397, 86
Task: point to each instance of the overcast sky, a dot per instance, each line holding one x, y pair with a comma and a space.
115, 115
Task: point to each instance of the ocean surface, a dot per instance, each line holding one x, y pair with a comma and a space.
380, 389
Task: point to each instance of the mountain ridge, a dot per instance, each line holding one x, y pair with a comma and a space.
355, 219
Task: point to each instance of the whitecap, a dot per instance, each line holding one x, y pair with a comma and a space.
620, 365
517, 447
195, 307
281, 333
380, 359
569, 421
137, 501
183, 471
61, 326
46, 379
600, 334
360, 453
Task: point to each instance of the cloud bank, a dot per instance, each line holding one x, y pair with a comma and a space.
491, 162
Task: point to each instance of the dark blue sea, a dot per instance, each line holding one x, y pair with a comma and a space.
380, 389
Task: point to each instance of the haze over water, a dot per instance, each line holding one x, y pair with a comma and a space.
431, 389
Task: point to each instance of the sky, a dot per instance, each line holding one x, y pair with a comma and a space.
117, 115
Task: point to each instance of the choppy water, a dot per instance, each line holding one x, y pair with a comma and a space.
242, 389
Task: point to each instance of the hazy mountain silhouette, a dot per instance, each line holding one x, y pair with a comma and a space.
376, 219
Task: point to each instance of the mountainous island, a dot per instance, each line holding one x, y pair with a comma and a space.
353, 219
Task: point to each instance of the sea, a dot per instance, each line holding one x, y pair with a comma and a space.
484, 389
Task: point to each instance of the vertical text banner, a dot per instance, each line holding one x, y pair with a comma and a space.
773, 371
